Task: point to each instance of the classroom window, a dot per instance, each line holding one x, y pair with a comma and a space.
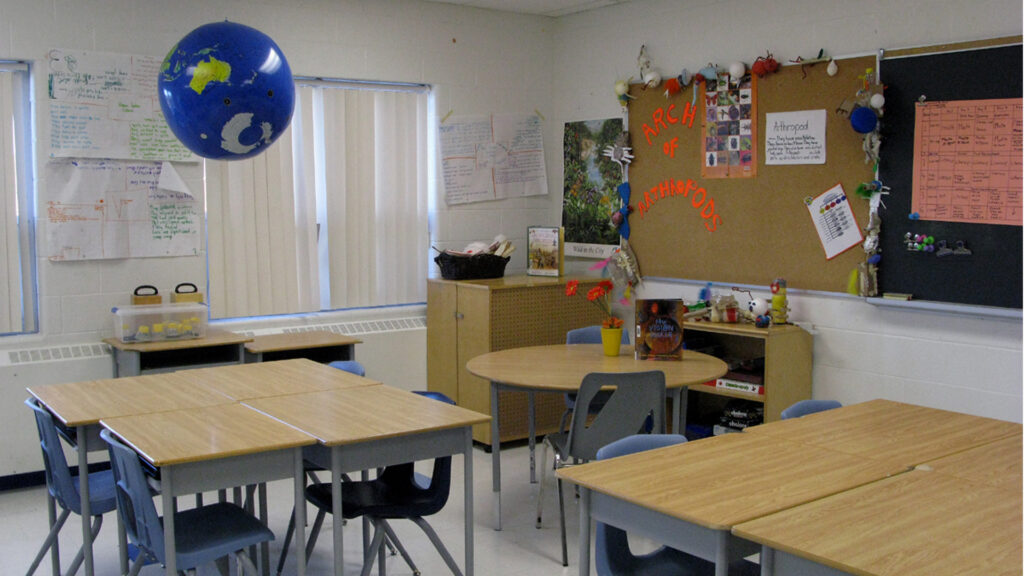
333, 215
18, 310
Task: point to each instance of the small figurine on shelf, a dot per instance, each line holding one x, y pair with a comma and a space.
780, 304
724, 308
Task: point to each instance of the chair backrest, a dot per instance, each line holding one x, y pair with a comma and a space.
349, 366
59, 480
805, 407
636, 396
134, 499
590, 335
638, 443
431, 493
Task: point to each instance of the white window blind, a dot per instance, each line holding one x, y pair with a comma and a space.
333, 215
17, 286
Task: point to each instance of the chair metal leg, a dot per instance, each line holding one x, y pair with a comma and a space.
429, 531
561, 522
371, 551
287, 543
392, 537
51, 542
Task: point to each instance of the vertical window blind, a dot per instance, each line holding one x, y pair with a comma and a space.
17, 286
333, 215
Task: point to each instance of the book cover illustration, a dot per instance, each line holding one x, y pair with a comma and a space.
659, 329
545, 250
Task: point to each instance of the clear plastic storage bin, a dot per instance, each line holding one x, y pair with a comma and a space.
160, 322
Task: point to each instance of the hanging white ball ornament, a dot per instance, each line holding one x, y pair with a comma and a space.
737, 70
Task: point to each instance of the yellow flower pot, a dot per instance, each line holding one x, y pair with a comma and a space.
611, 339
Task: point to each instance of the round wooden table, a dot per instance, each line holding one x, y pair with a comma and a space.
561, 368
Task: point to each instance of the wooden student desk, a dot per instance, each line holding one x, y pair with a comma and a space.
561, 368
360, 428
247, 381
217, 348
921, 523
79, 406
216, 447
320, 345
689, 496
883, 429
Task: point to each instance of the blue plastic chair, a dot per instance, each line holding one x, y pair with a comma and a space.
62, 488
349, 366
398, 492
585, 335
805, 407
612, 554
201, 535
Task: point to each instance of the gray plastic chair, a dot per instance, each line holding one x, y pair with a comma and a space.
636, 397
805, 407
585, 335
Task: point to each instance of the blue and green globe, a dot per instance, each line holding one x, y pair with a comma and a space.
226, 91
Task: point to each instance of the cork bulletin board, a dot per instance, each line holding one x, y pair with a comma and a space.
747, 230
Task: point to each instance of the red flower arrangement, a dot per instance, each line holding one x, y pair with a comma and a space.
601, 296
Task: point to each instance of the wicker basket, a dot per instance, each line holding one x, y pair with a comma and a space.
471, 267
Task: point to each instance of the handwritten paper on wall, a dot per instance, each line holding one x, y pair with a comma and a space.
117, 209
835, 222
492, 157
968, 162
794, 137
105, 105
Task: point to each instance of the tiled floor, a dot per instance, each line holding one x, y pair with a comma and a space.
517, 550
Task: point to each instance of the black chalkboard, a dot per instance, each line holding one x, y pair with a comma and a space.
991, 274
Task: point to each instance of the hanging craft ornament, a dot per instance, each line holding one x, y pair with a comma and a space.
620, 218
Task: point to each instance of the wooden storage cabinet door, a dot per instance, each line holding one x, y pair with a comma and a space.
468, 318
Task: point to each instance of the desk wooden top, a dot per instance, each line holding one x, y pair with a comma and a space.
360, 414
906, 433
918, 523
85, 403
182, 436
561, 367
997, 464
722, 481
212, 338
296, 376
298, 341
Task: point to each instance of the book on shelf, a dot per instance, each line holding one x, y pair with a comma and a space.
739, 386
545, 250
659, 329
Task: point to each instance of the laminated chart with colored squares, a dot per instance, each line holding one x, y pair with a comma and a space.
837, 227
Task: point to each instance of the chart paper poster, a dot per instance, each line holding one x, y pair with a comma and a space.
794, 137
105, 105
730, 127
968, 161
492, 157
99, 209
834, 220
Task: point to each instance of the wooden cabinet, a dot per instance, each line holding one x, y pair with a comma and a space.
467, 318
787, 351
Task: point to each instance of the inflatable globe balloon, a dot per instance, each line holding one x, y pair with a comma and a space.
226, 91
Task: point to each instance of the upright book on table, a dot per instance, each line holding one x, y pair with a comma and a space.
545, 250
659, 329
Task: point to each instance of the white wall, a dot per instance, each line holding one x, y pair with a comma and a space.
950, 361
478, 62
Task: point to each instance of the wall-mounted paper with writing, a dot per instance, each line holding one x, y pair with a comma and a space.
794, 137
105, 105
492, 157
99, 209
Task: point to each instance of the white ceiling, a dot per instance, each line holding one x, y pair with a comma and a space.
553, 8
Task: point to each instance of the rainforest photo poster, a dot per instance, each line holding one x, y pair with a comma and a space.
590, 193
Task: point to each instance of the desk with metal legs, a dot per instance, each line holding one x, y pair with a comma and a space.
79, 406
561, 367
689, 496
212, 448
366, 427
